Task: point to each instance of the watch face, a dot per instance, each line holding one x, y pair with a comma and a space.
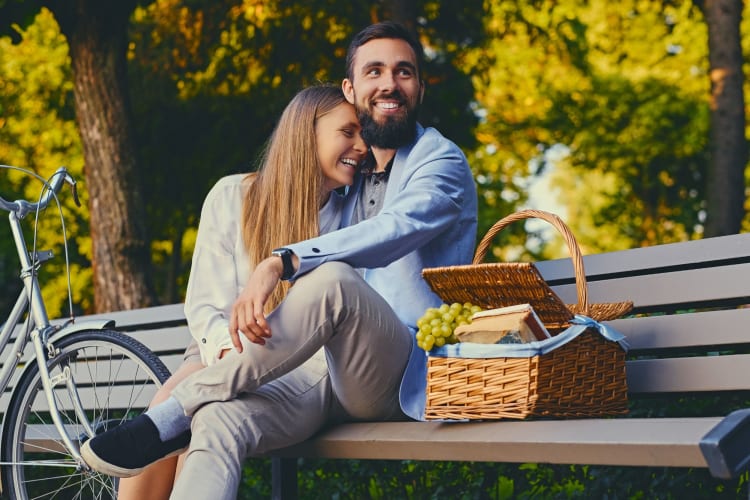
286, 261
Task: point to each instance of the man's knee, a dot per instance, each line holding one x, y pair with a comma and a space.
332, 272
213, 429
329, 278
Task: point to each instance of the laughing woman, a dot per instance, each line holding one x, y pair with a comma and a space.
315, 149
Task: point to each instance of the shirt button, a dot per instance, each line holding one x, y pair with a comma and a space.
203, 340
372, 202
316, 250
377, 183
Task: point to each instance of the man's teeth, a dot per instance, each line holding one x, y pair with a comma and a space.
388, 105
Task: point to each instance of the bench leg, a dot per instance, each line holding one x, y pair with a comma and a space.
284, 478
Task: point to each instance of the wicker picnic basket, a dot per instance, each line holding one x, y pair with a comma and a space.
583, 378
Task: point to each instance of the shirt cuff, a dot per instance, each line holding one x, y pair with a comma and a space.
211, 347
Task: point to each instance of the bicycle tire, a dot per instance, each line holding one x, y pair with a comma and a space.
125, 370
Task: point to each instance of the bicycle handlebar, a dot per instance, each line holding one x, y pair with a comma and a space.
52, 188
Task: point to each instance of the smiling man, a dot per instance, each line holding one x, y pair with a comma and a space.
337, 347
383, 84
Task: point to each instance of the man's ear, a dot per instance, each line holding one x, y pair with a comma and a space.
348, 88
421, 91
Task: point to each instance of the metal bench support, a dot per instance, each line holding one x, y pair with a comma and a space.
726, 445
284, 478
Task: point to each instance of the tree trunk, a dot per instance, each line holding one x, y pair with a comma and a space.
726, 179
97, 35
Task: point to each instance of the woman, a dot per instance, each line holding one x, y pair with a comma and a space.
315, 148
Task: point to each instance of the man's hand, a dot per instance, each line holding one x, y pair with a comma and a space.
247, 311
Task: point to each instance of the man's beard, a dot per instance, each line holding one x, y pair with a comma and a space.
392, 134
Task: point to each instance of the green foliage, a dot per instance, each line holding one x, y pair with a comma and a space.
623, 89
207, 82
509, 82
38, 132
649, 155
428, 480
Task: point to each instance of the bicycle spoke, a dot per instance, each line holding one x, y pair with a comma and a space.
115, 378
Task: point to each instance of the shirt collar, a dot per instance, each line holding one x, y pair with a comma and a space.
369, 166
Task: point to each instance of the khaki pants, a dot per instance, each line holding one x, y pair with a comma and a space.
338, 352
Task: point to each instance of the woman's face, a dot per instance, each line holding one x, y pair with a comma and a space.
340, 146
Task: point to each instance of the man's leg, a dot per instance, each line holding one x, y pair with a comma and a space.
332, 307
366, 346
282, 412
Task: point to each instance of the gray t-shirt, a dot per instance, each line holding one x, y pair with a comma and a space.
371, 196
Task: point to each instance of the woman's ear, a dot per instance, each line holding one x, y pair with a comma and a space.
348, 88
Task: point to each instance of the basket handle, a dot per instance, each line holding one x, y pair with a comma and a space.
570, 241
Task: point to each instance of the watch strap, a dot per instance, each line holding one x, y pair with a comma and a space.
286, 262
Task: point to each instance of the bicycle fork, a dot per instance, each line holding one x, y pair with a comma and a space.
40, 340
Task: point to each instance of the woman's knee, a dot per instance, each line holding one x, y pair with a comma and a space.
185, 369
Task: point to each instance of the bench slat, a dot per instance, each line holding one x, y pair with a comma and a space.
161, 340
120, 397
681, 287
707, 373
686, 330
144, 316
700, 253
645, 442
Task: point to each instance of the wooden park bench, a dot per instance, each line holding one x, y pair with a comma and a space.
689, 334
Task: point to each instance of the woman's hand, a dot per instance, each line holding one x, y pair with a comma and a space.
247, 311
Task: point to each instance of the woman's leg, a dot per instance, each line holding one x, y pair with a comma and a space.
155, 482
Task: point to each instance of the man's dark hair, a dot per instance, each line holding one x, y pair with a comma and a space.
385, 29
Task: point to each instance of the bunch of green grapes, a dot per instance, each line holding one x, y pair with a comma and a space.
437, 324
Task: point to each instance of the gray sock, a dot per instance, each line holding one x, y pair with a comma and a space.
169, 418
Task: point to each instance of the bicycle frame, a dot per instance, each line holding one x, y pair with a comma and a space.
38, 329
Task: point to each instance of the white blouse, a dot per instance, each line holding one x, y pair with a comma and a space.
220, 267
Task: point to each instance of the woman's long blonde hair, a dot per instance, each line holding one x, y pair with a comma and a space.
283, 199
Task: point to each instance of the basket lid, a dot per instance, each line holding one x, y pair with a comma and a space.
499, 284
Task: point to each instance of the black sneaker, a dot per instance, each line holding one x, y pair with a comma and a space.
127, 449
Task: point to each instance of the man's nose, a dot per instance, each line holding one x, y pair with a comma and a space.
387, 81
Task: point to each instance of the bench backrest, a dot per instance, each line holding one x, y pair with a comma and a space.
163, 329
691, 321
688, 332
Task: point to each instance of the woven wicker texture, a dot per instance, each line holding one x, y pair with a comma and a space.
491, 285
583, 378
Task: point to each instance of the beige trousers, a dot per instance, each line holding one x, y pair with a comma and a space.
338, 352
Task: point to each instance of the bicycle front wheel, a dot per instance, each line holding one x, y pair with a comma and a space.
116, 377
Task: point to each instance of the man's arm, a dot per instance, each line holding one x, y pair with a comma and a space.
433, 187
429, 200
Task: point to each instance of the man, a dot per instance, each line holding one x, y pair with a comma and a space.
337, 347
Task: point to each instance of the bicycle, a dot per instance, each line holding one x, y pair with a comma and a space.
72, 385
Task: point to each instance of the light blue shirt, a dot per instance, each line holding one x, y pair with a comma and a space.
428, 219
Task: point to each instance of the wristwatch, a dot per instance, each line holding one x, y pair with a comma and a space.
286, 261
